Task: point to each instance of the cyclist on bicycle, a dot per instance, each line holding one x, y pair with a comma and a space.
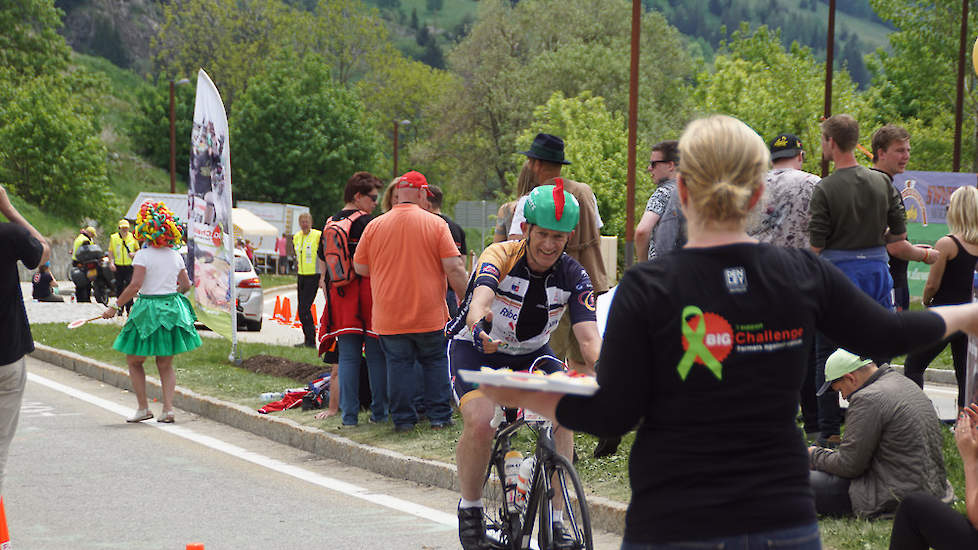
514, 300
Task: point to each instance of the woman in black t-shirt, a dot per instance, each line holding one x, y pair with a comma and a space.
43, 282
705, 351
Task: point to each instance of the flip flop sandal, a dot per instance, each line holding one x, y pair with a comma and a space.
140, 415
166, 417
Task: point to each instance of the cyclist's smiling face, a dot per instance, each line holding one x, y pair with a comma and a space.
543, 246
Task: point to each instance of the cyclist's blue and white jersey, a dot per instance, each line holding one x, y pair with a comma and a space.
503, 268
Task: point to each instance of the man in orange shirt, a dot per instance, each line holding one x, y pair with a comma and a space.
408, 253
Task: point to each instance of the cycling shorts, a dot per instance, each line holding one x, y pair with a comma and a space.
462, 355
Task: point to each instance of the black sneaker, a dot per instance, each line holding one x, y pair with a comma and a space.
606, 446
830, 442
472, 529
563, 540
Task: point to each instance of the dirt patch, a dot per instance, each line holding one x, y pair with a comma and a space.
279, 366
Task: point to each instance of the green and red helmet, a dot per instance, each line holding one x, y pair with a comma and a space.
550, 207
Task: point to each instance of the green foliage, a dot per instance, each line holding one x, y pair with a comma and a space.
150, 130
914, 84
298, 137
30, 44
51, 154
774, 90
597, 149
515, 57
228, 38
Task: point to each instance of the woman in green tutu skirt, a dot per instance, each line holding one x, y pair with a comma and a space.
161, 322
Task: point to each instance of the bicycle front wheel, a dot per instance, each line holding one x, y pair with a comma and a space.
502, 525
567, 499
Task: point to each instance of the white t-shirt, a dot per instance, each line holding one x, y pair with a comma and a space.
519, 218
163, 265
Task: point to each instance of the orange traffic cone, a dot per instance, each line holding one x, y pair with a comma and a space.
297, 323
286, 312
278, 308
195, 546
315, 318
4, 534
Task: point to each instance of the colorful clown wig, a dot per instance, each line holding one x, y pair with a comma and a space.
158, 226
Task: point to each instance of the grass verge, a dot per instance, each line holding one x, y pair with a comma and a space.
271, 280
206, 370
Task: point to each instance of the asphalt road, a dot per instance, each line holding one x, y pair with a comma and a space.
80, 477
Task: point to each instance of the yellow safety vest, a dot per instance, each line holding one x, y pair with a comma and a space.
119, 248
79, 240
307, 251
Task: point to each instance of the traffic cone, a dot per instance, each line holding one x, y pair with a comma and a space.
4, 534
315, 318
278, 308
297, 323
195, 546
286, 312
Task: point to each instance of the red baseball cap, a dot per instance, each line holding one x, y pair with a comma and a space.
414, 179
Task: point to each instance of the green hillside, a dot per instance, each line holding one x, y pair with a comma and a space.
858, 30
128, 173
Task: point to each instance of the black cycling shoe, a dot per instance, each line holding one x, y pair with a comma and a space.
563, 540
606, 446
472, 529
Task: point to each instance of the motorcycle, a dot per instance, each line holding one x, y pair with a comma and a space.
92, 275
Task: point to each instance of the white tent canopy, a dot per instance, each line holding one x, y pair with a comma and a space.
246, 223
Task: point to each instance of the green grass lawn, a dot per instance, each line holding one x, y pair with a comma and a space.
207, 371
270, 280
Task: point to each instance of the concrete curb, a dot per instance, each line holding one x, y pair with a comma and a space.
606, 514
936, 376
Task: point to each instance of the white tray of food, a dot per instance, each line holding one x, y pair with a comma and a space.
557, 382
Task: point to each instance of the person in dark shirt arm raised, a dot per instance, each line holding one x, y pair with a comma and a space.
717, 454
18, 241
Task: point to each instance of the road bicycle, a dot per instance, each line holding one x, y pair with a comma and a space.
553, 487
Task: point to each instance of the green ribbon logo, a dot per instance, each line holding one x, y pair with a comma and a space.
697, 348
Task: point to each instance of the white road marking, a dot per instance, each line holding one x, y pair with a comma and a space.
343, 487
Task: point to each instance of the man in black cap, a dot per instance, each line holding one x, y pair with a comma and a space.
546, 158
782, 220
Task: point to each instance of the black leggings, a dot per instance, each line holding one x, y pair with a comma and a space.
917, 362
922, 521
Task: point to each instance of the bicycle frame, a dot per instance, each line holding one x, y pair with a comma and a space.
518, 528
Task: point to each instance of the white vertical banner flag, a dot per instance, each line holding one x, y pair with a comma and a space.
209, 225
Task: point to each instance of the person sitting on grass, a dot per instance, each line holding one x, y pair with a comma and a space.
44, 282
923, 521
891, 447
718, 458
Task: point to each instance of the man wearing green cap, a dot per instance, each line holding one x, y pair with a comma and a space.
891, 447
515, 298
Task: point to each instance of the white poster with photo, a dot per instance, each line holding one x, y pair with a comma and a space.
209, 246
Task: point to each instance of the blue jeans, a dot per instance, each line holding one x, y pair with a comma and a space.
428, 349
350, 346
796, 538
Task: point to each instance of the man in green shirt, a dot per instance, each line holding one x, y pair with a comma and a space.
855, 212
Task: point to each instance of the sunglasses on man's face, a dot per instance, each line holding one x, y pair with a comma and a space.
652, 163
